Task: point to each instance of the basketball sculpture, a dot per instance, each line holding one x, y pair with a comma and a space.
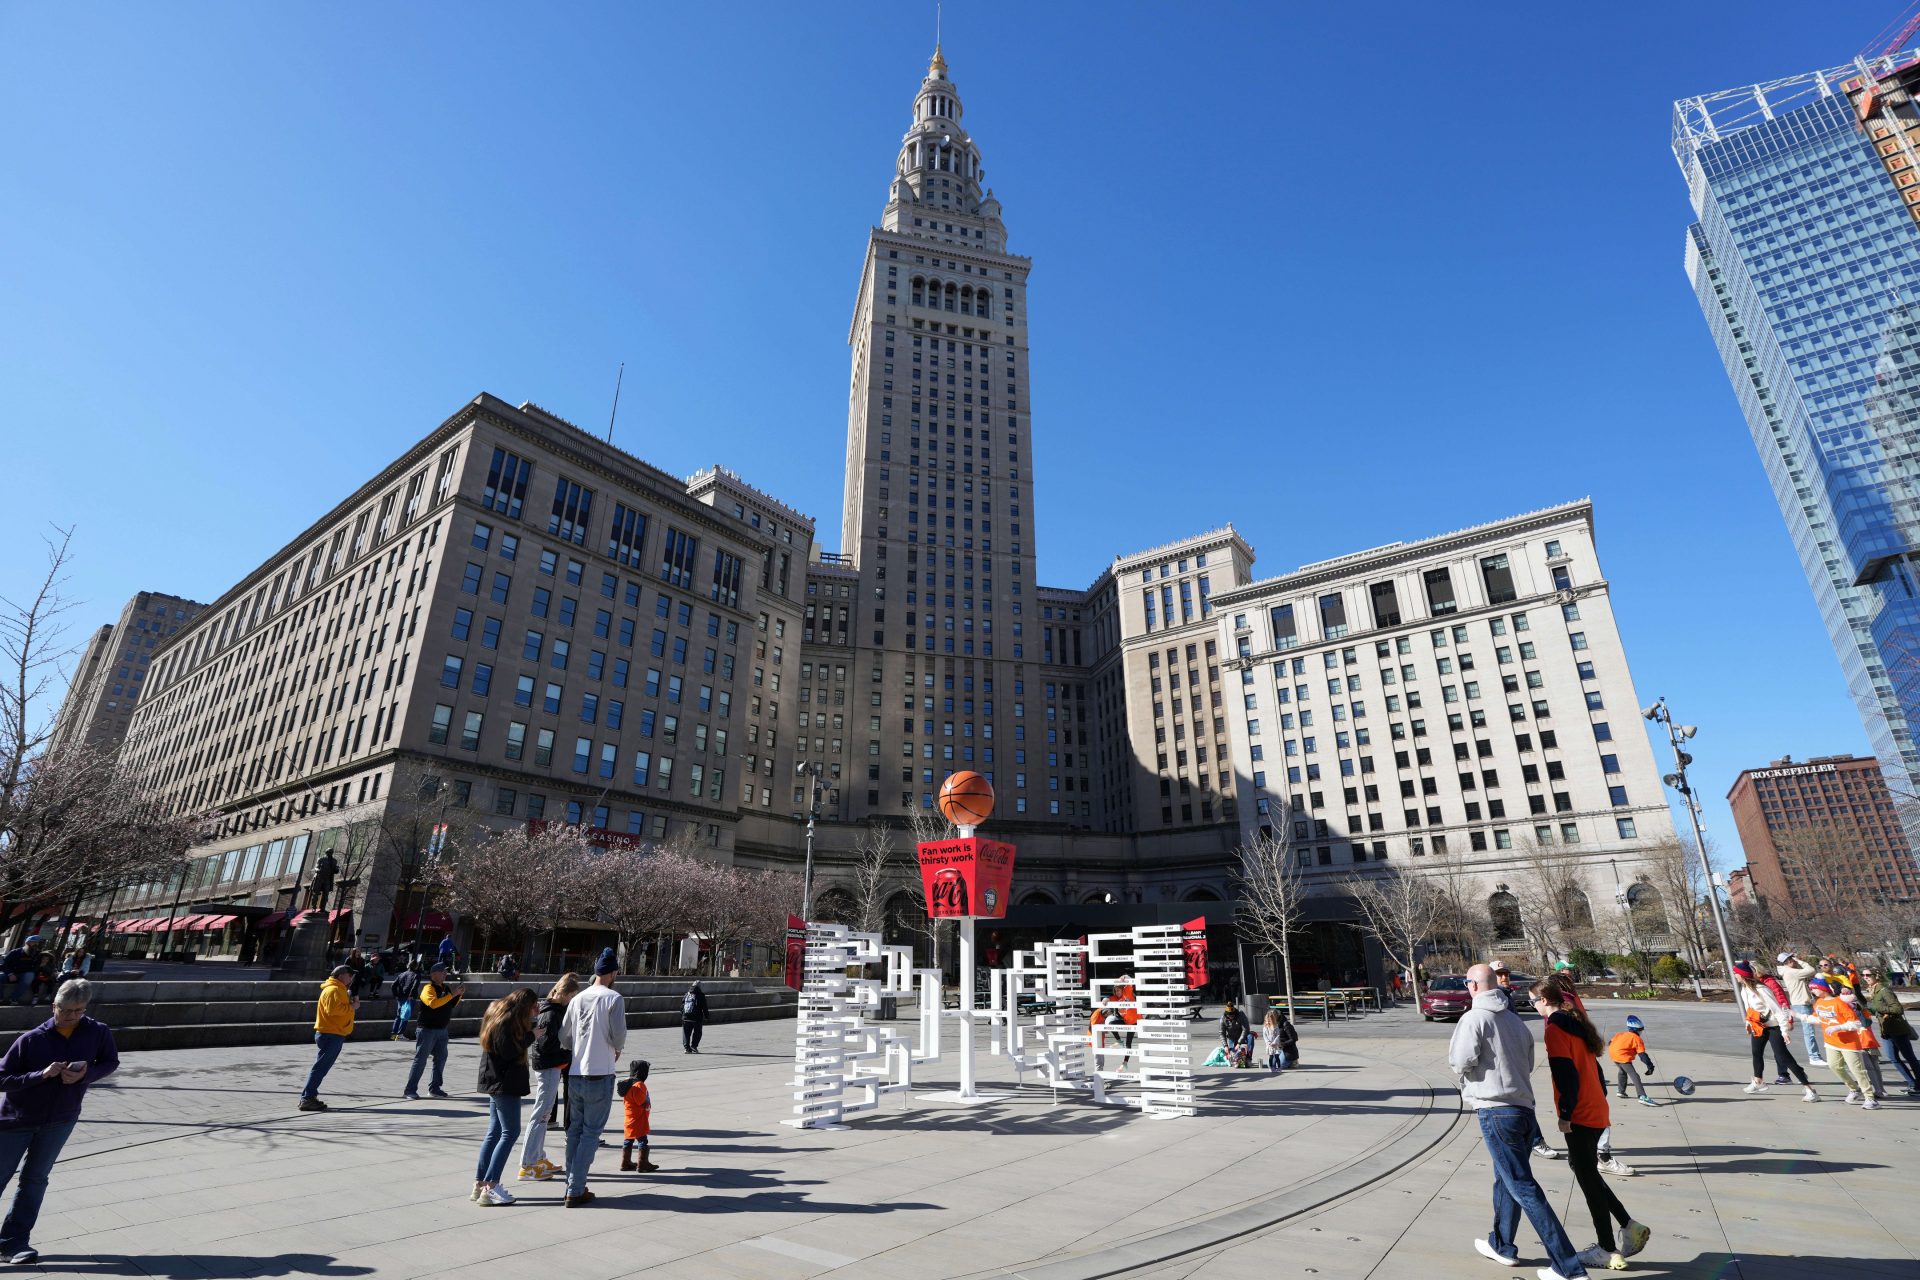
966, 799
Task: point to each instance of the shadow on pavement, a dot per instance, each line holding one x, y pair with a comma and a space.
182, 1266
1747, 1265
764, 1202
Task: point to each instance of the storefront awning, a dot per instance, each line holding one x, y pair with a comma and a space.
216, 921
437, 921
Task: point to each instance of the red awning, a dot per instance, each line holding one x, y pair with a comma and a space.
216, 922
437, 921
273, 921
179, 922
139, 926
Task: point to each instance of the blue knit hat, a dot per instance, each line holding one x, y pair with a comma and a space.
606, 963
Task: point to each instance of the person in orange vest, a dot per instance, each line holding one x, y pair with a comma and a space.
1843, 1030
1580, 1099
639, 1108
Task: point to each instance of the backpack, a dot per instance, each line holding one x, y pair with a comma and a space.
405, 984
689, 1003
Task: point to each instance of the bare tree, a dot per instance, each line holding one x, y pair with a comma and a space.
1399, 912
1462, 928
1675, 869
928, 827
1271, 893
874, 870
405, 863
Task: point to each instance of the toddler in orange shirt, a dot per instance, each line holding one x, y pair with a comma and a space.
1621, 1051
639, 1104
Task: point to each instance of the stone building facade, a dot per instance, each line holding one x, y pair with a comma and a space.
112, 671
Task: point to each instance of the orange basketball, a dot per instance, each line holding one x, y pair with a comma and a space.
966, 798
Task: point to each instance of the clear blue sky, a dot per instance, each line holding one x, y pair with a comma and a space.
1384, 270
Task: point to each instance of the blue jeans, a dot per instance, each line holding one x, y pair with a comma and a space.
588, 1101
1508, 1133
430, 1042
40, 1144
503, 1130
18, 985
326, 1049
1810, 1034
546, 1092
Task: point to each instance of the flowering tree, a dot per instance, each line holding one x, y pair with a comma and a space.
638, 892
502, 882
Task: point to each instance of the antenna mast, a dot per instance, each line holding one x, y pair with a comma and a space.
618, 379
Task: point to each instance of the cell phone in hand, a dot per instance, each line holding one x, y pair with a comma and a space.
76, 1066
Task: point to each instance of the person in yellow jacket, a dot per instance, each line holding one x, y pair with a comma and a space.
1846, 1037
332, 1024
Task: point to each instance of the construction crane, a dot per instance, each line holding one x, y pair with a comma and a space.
1894, 38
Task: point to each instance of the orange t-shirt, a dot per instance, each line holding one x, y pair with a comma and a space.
1590, 1104
1125, 992
1832, 1010
639, 1109
1626, 1046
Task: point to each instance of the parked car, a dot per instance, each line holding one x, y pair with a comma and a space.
1445, 997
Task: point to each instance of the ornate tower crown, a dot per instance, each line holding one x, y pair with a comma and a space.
939, 166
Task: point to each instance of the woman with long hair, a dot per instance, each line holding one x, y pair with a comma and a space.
1580, 1098
1896, 1033
550, 1059
505, 1033
1767, 1021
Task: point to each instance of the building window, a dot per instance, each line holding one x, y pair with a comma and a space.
676, 557
1440, 598
572, 507
628, 532
1498, 577
506, 483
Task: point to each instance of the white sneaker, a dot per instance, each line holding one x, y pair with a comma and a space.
1809, 1095
1548, 1273
1485, 1250
1544, 1152
496, 1195
1634, 1237
1755, 1087
1604, 1259
1871, 1104
1853, 1095
1615, 1166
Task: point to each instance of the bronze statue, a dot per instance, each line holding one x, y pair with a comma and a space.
321, 886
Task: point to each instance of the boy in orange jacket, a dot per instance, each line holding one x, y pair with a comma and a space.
633, 1091
1621, 1051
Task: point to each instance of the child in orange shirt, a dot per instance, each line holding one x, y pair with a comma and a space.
1621, 1051
639, 1104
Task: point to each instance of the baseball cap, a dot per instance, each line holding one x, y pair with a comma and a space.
1498, 966
438, 966
1783, 957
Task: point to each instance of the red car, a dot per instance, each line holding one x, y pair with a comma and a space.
1445, 997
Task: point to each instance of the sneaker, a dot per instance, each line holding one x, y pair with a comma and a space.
1485, 1250
411, 1096
1646, 1101
1755, 1087
25, 1258
496, 1194
1808, 1095
574, 1202
533, 1173
1779, 1079
312, 1104
1548, 1273
1604, 1259
1615, 1166
1871, 1104
1853, 1095
1634, 1237
1545, 1152
479, 1189
437, 1093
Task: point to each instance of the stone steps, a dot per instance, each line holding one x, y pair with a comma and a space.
174, 1015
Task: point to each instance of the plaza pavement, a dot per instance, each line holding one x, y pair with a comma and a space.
192, 1163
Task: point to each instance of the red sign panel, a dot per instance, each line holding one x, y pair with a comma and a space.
1193, 945
796, 950
969, 877
597, 837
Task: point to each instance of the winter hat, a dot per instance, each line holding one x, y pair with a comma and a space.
1634, 1023
1819, 984
1783, 957
606, 963
33, 937
1742, 968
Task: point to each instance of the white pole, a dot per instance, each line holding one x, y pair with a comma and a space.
966, 1007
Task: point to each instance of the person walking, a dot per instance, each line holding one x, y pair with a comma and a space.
1607, 1162
594, 1031
693, 1017
1767, 1024
1895, 1031
549, 1060
1841, 1027
1856, 1000
436, 1002
1503, 987
332, 1024
1794, 972
1492, 1054
1622, 1050
1580, 1098
43, 1081
505, 1033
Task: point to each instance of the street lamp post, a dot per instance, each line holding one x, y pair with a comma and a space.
810, 770
1676, 734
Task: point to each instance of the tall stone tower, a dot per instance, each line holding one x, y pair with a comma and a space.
938, 520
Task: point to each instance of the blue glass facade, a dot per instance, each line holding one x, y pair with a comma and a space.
1805, 262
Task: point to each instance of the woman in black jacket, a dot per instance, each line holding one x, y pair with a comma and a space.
505, 1033
549, 1060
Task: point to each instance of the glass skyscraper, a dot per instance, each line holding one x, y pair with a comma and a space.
1806, 262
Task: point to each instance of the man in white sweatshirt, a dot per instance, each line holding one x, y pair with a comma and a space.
1794, 973
1492, 1054
595, 1029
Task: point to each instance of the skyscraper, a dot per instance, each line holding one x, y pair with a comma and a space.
938, 517
1806, 260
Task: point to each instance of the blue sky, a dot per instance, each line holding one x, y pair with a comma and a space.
1386, 270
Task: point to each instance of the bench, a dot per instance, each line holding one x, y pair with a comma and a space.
1321, 1002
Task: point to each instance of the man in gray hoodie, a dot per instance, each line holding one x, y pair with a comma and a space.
1492, 1054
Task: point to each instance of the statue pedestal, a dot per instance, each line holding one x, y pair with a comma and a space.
307, 950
